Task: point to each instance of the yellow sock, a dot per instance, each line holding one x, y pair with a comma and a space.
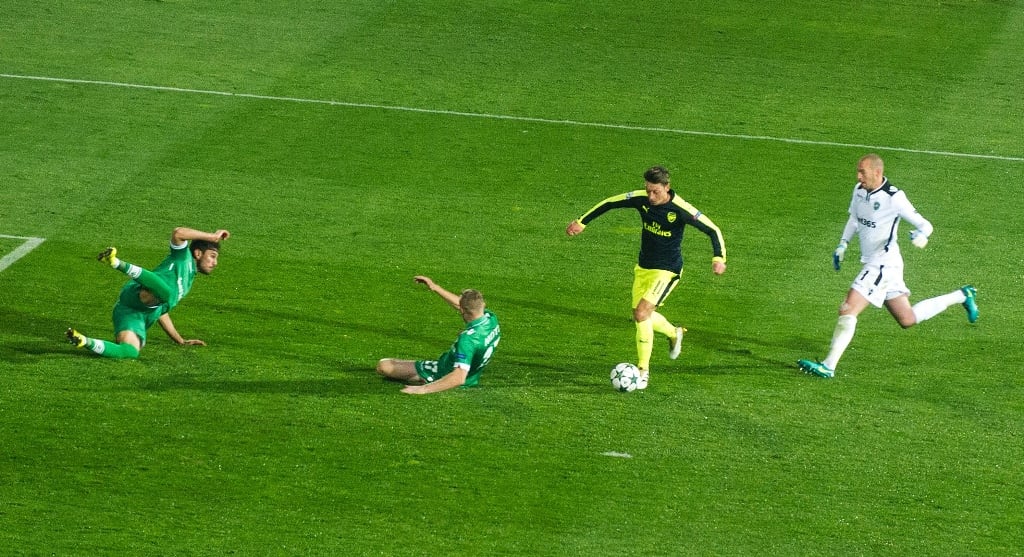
662, 326
644, 338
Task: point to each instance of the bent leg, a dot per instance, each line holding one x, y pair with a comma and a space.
650, 289
127, 346
159, 288
152, 282
398, 370
900, 309
926, 309
662, 325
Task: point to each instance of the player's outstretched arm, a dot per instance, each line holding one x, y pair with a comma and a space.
456, 378
168, 326
620, 201
452, 299
182, 234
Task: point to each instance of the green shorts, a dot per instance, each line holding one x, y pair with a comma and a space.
134, 320
427, 370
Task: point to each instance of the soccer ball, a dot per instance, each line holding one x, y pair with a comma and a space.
625, 377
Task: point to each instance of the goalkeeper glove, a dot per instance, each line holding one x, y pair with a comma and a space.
918, 238
837, 257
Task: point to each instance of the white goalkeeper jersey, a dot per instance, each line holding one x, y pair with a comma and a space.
875, 218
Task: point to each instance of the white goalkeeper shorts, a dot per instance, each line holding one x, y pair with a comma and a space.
878, 283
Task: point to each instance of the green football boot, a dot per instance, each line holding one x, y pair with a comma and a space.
969, 304
816, 368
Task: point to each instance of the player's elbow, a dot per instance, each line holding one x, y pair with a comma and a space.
178, 235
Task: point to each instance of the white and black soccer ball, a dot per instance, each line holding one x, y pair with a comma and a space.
625, 377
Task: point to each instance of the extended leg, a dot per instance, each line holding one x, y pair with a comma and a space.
125, 348
148, 279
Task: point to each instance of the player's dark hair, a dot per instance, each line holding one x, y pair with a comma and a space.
203, 245
657, 175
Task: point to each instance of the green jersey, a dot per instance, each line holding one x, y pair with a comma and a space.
472, 350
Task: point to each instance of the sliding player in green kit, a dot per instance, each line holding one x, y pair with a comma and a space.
463, 362
150, 295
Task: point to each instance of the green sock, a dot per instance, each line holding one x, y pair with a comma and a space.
149, 279
109, 349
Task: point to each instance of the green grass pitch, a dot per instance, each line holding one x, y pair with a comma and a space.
351, 145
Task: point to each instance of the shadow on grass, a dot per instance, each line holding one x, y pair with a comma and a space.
741, 354
13, 322
47, 332
599, 317
355, 380
761, 352
26, 352
280, 316
517, 373
748, 355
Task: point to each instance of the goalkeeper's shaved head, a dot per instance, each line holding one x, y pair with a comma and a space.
874, 160
870, 171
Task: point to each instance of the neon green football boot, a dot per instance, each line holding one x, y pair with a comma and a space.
109, 256
76, 338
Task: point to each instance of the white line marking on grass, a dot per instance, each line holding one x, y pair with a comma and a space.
19, 252
531, 119
616, 454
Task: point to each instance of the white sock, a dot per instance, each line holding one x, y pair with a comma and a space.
846, 325
926, 309
133, 271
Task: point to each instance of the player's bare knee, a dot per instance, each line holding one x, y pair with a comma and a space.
641, 314
907, 323
385, 367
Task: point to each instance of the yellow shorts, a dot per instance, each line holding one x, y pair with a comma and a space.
653, 285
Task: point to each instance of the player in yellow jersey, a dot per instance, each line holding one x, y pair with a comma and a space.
664, 216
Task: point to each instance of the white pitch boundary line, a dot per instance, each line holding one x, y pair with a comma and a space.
19, 252
521, 118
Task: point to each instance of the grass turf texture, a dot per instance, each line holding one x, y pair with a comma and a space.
278, 438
